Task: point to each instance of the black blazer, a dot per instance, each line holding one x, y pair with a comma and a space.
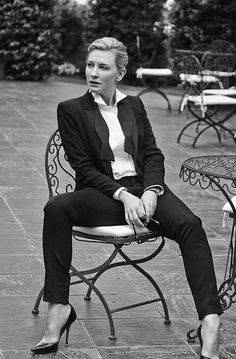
85, 134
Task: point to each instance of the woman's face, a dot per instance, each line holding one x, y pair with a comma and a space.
102, 72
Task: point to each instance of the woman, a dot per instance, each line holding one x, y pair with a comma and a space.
110, 145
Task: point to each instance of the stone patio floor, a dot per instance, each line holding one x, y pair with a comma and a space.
27, 118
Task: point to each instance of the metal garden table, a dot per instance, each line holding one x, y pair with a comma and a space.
218, 172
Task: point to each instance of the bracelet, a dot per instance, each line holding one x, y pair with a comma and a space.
156, 190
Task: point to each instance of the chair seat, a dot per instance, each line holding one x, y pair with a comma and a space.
153, 72
224, 92
114, 234
195, 78
218, 73
212, 100
116, 231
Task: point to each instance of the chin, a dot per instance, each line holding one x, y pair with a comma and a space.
94, 89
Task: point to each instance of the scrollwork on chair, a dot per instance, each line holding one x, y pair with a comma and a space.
227, 293
57, 166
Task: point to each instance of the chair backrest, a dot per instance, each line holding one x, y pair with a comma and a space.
190, 64
59, 174
216, 61
220, 62
189, 69
199, 49
222, 46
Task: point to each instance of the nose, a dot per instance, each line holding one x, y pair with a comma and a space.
94, 72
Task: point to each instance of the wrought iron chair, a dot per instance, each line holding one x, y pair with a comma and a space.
151, 77
206, 66
193, 78
219, 64
205, 96
60, 178
222, 46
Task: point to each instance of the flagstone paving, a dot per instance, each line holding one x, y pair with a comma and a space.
27, 118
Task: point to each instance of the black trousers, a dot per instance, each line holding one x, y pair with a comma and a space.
90, 207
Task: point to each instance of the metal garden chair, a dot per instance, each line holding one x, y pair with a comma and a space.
60, 178
208, 101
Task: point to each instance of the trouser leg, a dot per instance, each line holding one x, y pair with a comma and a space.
180, 224
91, 208
61, 213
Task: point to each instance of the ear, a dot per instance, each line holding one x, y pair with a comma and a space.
121, 74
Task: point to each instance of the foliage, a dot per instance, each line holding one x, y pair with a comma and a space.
28, 38
202, 21
69, 15
125, 20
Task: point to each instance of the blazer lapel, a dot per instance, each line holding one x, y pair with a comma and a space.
103, 132
98, 125
129, 126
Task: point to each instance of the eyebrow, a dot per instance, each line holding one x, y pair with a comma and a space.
100, 63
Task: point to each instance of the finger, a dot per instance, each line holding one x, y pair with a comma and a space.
135, 220
147, 213
128, 219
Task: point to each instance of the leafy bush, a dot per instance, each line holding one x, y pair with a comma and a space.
202, 21
28, 38
71, 31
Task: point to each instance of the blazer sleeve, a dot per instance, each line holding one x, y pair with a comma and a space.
83, 155
153, 158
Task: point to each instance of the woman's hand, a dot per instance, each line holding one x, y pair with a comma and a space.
134, 209
149, 200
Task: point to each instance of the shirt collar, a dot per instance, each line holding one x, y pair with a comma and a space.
99, 100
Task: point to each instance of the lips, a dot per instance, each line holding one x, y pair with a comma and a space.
94, 83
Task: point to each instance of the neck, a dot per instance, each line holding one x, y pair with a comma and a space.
109, 100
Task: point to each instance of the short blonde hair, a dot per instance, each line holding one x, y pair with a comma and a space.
109, 44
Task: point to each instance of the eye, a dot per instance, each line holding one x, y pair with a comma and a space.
104, 67
90, 64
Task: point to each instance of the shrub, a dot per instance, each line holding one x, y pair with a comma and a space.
71, 31
202, 21
28, 38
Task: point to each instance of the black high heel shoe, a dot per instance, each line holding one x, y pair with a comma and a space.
45, 348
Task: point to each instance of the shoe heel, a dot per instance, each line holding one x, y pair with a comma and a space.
67, 334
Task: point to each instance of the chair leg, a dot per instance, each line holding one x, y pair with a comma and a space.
140, 93
101, 297
133, 263
112, 265
112, 336
153, 282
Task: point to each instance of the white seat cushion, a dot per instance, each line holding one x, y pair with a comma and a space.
212, 100
227, 207
112, 231
195, 78
224, 92
219, 73
153, 72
